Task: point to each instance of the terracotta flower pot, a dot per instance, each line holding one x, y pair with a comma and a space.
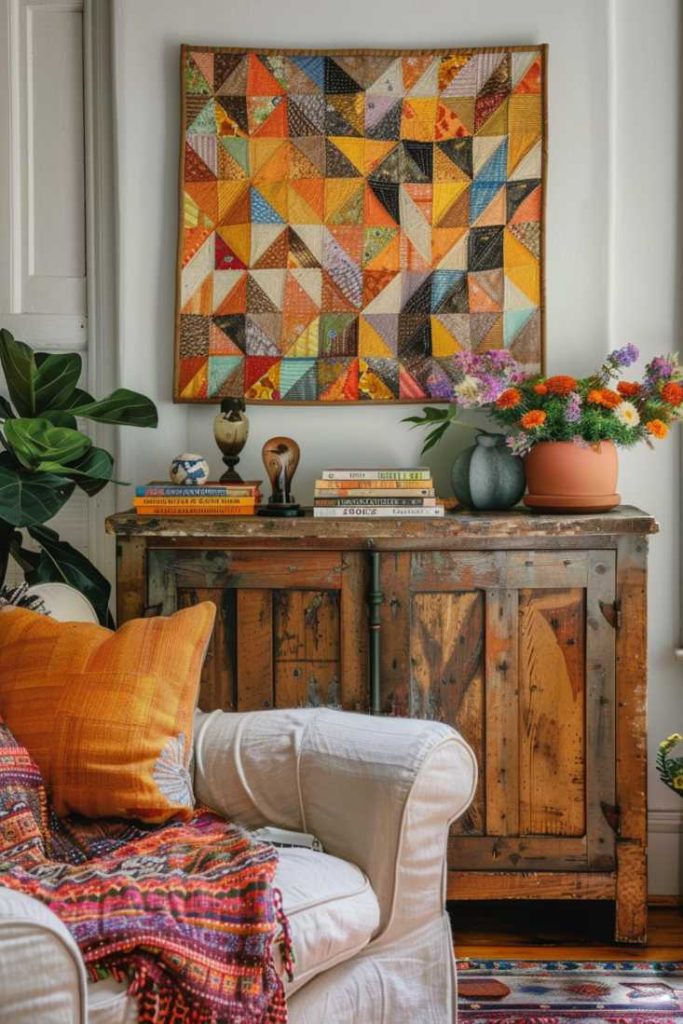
567, 477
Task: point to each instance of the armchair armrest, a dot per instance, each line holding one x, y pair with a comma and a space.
380, 792
42, 976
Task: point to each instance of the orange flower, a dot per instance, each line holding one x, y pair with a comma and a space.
628, 388
509, 399
672, 393
605, 397
657, 428
561, 385
534, 418
541, 388
611, 399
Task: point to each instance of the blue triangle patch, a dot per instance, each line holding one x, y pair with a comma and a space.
314, 67
261, 210
495, 168
220, 368
515, 320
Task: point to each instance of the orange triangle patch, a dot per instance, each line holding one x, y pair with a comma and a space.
236, 300
193, 385
220, 344
275, 125
260, 81
205, 195
529, 209
532, 79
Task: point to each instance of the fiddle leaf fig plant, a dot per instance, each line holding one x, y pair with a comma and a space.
45, 456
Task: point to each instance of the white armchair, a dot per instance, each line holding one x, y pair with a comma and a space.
370, 930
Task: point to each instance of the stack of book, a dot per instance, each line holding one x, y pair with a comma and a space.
384, 493
211, 499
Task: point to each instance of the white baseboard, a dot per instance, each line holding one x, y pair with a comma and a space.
665, 852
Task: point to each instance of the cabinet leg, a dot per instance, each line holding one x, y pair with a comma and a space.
631, 908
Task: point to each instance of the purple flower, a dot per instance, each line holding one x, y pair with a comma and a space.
519, 444
660, 368
464, 361
440, 389
572, 412
491, 387
625, 356
499, 357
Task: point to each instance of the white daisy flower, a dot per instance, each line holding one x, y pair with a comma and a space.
468, 390
627, 414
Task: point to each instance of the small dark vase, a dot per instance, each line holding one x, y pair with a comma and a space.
487, 476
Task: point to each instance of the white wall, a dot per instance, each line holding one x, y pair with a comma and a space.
612, 232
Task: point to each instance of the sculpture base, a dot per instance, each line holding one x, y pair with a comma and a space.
280, 511
231, 476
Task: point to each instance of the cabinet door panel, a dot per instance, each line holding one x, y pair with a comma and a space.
307, 647
254, 649
291, 626
218, 687
552, 690
513, 649
447, 674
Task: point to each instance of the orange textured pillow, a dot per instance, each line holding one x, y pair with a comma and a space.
107, 716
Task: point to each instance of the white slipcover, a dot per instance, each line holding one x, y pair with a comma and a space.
368, 918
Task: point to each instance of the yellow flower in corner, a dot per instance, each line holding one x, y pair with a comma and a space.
678, 782
671, 741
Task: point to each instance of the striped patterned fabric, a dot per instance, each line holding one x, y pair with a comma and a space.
186, 912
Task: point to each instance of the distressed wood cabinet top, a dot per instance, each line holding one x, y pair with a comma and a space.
516, 527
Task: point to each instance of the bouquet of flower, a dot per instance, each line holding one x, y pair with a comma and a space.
480, 381
670, 768
585, 410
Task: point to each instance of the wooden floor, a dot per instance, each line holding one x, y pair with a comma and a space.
531, 930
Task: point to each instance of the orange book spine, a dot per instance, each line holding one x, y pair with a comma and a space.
212, 511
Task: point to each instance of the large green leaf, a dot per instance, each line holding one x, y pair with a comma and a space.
5, 409
94, 471
27, 498
19, 366
61, 419
38, 444
56, 379
122, 407
61, 562
434, 436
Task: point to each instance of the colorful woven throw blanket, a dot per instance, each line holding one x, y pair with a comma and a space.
185, 912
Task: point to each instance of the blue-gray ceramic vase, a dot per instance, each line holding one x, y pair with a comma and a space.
487, 476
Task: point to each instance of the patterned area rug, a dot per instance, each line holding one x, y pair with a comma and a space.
559, 991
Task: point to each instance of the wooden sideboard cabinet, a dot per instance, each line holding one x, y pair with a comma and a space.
526, 632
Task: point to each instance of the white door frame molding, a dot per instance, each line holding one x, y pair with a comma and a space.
101, 248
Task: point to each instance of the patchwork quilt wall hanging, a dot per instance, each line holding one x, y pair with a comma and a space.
351, 220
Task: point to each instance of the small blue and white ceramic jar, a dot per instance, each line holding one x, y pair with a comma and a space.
189, 470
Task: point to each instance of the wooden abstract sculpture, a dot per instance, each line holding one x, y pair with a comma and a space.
281, 458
